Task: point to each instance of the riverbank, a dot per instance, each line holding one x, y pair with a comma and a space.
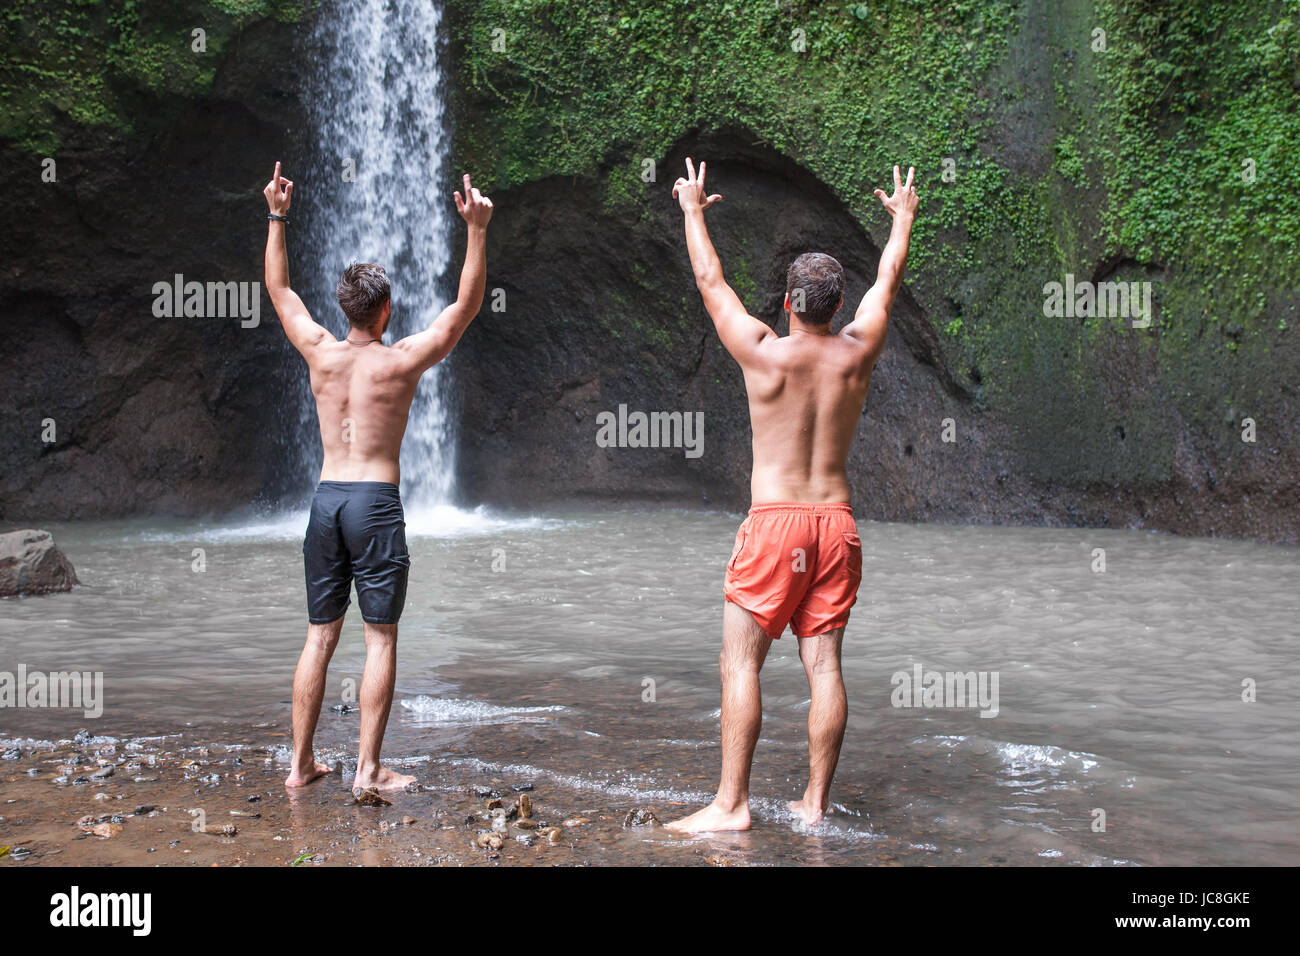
170, 801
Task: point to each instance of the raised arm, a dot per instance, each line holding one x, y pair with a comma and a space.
739, 331
303, 332
431, 346
871, 323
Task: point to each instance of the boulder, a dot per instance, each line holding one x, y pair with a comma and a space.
31, 564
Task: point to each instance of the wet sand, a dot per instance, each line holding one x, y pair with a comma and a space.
171, 801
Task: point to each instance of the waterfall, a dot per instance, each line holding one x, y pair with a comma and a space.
376, 190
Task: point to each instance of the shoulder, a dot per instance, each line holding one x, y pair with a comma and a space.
860, 345
766, 353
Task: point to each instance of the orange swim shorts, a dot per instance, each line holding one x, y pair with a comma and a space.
796, 564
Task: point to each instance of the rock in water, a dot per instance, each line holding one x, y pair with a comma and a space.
640, 817
31, 564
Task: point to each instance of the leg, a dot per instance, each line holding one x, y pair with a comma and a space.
376, 701
308, 692
827, 716
744, 648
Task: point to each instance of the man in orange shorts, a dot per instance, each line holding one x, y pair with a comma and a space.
798, 558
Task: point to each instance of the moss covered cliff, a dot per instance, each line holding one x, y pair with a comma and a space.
1109, 141
89, 61
128, 157
1105, 140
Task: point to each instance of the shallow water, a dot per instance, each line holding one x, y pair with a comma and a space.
529, 643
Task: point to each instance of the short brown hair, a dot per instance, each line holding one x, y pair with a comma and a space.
820, 278
362, 292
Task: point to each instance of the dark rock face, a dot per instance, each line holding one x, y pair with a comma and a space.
111, 411
31, 564
602, 311
147, 415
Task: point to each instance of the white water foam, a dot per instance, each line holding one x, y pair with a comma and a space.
429, 710
422, 521
644, 790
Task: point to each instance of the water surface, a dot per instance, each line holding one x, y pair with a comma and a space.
578, 650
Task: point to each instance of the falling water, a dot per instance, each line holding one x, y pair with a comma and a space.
375, 190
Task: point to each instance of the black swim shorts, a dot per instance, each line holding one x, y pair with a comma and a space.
357, 531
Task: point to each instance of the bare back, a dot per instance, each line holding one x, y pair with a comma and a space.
806, 393
805, 390
363, 398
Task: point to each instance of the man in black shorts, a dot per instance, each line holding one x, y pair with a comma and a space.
356, 533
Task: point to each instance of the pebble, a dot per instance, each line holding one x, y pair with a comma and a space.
370, 798
576, 821
525, 807
106, 831
640, 817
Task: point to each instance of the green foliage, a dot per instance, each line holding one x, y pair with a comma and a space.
1205, 98
76, 59
586, 88
1132, 155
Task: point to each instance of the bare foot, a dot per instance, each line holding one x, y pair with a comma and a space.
811, 814
713, 819
300, 777
381, 779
